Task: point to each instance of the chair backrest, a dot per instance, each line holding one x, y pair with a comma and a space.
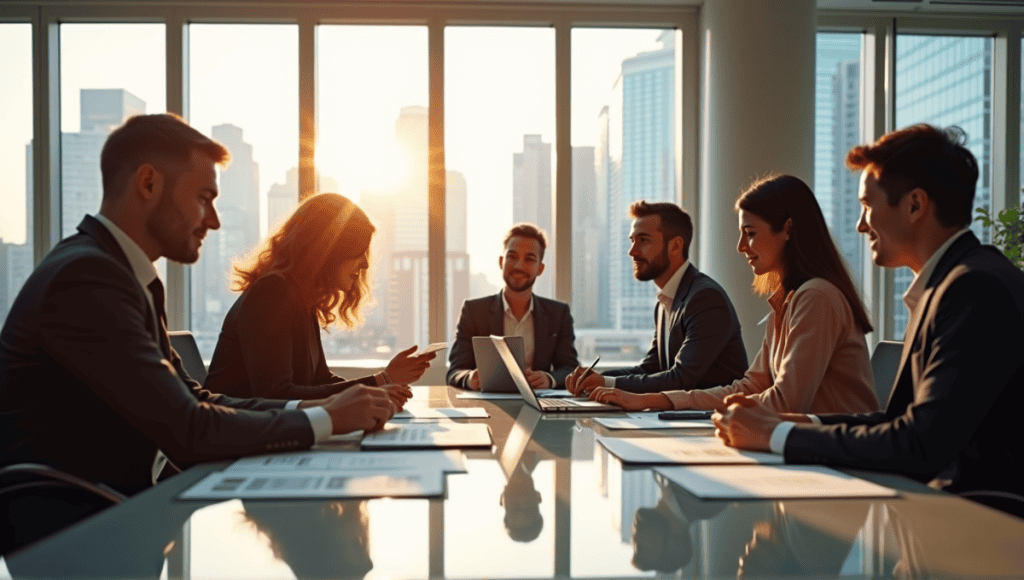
185, 345
885, 361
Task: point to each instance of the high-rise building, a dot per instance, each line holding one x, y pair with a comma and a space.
588, 238
946, 81
531, 197
238, 208
844, 183
648, 169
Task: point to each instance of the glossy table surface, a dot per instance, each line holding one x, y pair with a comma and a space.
545, 501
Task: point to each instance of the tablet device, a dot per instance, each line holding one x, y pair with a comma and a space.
494, 377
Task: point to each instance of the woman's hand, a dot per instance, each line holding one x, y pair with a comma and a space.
629, 401
404, 369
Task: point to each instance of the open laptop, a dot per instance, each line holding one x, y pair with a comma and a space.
545, 405
494, 377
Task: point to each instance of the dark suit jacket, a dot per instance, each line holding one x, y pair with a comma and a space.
954, 411
553, 337
704, 335
86, 388
270, 346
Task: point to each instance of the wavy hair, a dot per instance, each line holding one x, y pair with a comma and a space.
308, 250
810, 251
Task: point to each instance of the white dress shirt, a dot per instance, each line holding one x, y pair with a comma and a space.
145, 272
910, 298
666, 295
523, 327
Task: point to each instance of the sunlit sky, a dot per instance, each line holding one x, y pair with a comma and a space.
499, 86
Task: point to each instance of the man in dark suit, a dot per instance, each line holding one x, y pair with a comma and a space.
544, 324
952, 417
88, 381
697, 342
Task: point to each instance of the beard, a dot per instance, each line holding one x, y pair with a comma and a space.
645, 270
524, 285
167, 225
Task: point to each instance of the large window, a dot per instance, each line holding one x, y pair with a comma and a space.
624, 114
372, 148
836, 130
946, 81
242, 83
15, 162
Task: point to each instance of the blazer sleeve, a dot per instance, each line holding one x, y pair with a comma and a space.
959, 365
461, 361
706, 326
269, 325
564, 360
93, 322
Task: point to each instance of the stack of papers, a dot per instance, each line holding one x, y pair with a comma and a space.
331, 474
420, 413
683, 450
771, 482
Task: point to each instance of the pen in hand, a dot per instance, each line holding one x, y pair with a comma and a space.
587, 372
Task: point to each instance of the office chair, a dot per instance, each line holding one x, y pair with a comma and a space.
40, 500
1003, 501
185, 345
885, 361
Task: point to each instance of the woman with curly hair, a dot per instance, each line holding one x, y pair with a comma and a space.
309, 274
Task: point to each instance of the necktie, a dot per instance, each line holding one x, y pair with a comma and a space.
156, 289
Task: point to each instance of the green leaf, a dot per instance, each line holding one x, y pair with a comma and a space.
1009, 216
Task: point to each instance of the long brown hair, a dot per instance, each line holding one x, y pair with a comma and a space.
810, 251
308, 249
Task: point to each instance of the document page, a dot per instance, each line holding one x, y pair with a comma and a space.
315, 484
649, 421
429, 435
421, 413
771, 482
494, 396
683, 450
450, 461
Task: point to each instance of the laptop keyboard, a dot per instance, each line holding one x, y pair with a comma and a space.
557, 403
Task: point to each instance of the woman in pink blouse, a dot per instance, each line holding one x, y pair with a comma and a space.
814, 358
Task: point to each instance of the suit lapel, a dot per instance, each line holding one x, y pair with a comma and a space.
497, 317
953, 255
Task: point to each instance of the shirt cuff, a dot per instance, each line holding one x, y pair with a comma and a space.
778, 441
292, 404
321, 423
551, 380
814, 419
382, 378
609, 382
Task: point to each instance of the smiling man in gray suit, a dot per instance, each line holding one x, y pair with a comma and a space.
544, 324
697, 342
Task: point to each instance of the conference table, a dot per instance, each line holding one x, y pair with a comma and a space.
545, 501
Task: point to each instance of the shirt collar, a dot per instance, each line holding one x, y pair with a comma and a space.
508, 309
916, 289
669, 291
145, 271
779, 298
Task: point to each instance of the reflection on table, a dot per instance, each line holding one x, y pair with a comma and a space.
545, 502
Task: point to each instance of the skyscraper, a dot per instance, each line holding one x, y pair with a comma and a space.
846, 134
531, 197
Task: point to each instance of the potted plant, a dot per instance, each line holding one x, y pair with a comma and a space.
1007, 232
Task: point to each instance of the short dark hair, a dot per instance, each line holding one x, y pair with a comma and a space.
165, 140
527, 230
675, 222
922, 156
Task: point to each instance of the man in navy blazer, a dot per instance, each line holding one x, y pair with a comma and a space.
697, 342
544, 324
88, 381
953, 416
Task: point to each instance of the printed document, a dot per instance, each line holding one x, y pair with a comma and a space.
449, 461
428, 435
649, 421
771, 482
315, 484
683, 450
421, 413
